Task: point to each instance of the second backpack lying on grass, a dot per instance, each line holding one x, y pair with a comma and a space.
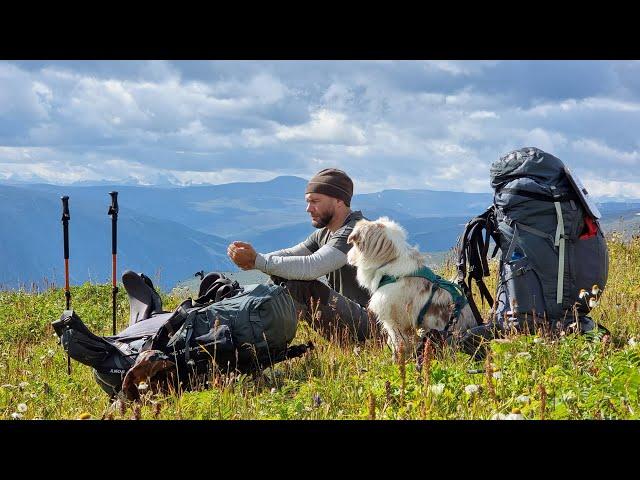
227, 327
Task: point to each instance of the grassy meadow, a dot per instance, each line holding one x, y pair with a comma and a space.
528, 377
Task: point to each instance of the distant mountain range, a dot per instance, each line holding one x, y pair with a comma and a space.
171, 232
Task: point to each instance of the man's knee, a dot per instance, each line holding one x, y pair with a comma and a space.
297, 284
304, 290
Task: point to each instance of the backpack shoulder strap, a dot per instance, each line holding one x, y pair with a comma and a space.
473, 248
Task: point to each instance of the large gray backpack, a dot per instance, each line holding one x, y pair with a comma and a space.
554, 257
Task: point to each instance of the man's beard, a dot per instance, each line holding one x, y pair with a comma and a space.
323, 221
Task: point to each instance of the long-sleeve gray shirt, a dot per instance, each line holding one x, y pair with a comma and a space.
299, 263
322, 253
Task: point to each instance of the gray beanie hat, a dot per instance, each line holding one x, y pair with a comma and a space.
332, 182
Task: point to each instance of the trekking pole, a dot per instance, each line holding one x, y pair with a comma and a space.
113, 211
67, 293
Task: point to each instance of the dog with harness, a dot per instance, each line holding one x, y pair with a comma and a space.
409, 299
552, 251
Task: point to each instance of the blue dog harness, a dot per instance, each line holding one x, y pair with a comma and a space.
459, 299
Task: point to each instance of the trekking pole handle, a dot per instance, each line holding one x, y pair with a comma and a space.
65, 221
65, 208
113, 210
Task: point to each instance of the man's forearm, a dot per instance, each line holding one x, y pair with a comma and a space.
302, 267
297, 250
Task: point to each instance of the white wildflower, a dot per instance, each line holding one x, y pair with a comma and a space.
499, 416
538, 340
523, 399
437, 389
497, 375
22, 407
471, 389
143, 387
23, 384
33, 395
632, 342
273, 390
514, 416
118, 405
16, 416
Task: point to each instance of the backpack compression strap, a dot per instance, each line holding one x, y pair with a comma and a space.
560, 243
472, 250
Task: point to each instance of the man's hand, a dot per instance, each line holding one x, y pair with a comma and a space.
242, 254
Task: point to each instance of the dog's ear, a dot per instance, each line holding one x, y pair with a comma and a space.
358, 233
374, 243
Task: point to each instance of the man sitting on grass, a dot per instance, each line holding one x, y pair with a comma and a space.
341, 305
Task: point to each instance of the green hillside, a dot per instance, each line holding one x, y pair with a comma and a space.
533, 377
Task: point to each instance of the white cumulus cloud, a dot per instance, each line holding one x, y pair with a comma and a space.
325, 126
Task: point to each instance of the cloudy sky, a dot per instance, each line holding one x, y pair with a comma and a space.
389, 124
